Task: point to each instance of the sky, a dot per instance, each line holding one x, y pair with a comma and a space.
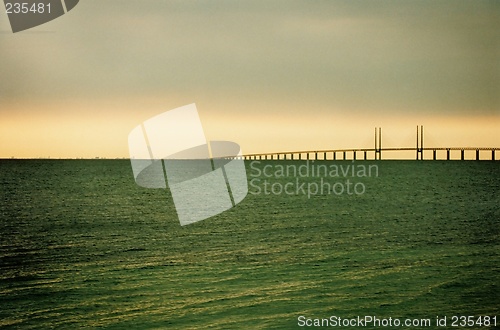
269, 75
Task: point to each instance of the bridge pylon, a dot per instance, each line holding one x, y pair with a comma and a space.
378, 143
420, 142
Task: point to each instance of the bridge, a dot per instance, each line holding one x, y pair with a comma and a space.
369, 153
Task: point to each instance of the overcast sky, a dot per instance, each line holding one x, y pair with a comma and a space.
261, 73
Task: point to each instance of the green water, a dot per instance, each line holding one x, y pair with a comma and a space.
81, 245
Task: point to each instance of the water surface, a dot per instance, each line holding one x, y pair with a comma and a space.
81, 245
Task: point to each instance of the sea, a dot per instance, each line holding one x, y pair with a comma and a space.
83, 246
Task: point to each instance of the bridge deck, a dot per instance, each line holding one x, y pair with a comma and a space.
369, 150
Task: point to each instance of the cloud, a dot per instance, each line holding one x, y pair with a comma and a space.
363, 56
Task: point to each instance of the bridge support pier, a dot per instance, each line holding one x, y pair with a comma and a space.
420, 154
